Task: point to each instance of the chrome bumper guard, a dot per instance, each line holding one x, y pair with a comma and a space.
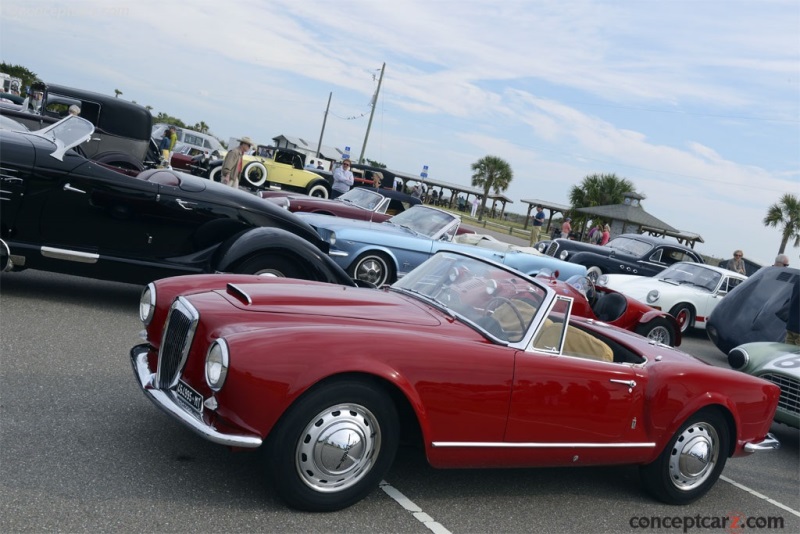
769, 443
167, 401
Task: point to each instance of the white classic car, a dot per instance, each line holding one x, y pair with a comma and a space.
688, 291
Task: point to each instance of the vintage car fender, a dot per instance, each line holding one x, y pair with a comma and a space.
666, 420
119, 159
587, 258
272, 240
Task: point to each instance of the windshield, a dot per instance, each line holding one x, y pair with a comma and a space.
634, 247
67, 133
495, 301
691, 273
430, 222
363, 198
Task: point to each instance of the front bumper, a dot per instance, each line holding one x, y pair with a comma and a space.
169, 403
769, 443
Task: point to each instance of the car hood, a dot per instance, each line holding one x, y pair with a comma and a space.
339, 225
328, 300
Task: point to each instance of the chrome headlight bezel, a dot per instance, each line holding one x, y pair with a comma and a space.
564, 255
147, 304
653, 296
217, 363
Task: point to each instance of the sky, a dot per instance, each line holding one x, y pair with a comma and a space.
696, 102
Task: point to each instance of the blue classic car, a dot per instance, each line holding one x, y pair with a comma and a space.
381, 253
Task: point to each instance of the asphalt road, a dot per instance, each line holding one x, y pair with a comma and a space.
82, 450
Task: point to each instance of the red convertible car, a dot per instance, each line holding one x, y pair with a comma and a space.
604, 304
362, 203
484, 366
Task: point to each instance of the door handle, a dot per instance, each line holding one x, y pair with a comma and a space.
629, 383
68, 187
185, 205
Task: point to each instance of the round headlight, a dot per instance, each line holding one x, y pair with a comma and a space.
602, 280
738, 358
563, 255
217, 360
652, 296
147, 304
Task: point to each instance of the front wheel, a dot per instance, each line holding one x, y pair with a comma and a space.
684, 315
333, 446
215, 174
372, 267
691, 462
271, 265
658, 330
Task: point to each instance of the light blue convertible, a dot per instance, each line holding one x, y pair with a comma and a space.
380, 253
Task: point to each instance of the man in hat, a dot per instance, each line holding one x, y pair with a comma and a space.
232, 164
538, 223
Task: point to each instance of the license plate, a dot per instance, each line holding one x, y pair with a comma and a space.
189, 396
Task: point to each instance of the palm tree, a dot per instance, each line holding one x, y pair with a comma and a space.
598, 190
785, 213
117, 92
491, 172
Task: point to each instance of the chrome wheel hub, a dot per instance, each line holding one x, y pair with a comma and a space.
371, 270
694, 456
659, 334
338, 448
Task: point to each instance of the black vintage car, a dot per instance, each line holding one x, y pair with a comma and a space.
636, 254
65, 213
756, 309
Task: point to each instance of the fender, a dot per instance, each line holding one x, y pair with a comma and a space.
115, 158
267, 239
585, 257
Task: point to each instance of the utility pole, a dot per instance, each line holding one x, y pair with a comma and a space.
324, 120
371, 113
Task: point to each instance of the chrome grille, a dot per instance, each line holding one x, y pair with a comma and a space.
790, 391
552, 249
175, 342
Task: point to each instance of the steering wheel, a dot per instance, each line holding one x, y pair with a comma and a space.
496, 302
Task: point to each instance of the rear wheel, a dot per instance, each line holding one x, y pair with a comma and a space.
255, 174
373, 267
684, 315
692, 461
333, 446
658, 330
272, 265
593, 273
317, 189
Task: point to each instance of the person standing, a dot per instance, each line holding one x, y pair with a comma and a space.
606, 235
538, 223
566, 228
737, 263
232, 164
342, 180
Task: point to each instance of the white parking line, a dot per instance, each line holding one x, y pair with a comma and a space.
415, 510
760, 496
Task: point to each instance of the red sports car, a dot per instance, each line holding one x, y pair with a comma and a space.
606, 305
362, 203
485, 366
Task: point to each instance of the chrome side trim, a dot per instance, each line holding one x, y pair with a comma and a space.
536, 445
167, 401
70, 255
769, 443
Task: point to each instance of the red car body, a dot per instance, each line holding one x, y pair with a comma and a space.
392, 204
324, 379
618, 310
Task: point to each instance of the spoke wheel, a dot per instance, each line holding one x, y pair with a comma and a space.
658, 330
